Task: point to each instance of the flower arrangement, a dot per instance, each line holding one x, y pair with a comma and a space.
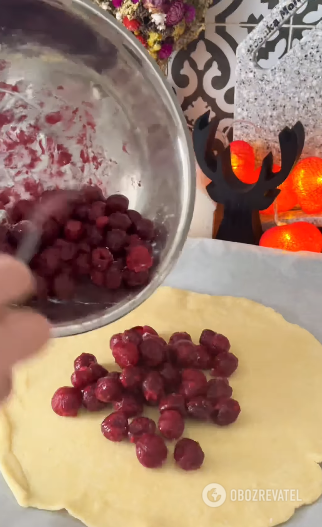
162, 26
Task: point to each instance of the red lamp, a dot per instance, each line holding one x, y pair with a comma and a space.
298, 236
287, 199
243, 164
307, 184
243, 161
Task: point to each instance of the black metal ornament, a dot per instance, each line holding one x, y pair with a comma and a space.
241, 201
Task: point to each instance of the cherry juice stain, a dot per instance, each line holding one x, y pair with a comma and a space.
31, 153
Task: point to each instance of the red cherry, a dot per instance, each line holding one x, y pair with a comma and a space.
97, 277
83, 264
171, 376
219, 389
134, 215
134, 241
84, 360
82, 377
90, 401
225, 412
199, 408
214, 342
101, 222
148, 329
125, 354
114, 375
115, 427
139, 259
116, 339
81, 212
179, 335
188, 454
174, 401
66, 401
153, 387
151, 451
94, 236
101, 258
84, 247
116, 240
119, 220
185, 353
132, 335
132, 377
98, 371
140, 426
145, 229
117, 203
73, 230
171, 424
202, 358
96, 211
92, 193
224, 365
108, 390
194, 383
113, 277
68, 250
152, 350
133, 279
129, 404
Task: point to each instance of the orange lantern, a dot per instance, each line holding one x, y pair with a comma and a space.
287, 199
307, 184
243, 161
299, 236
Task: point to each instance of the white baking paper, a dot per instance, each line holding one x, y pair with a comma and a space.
289, 283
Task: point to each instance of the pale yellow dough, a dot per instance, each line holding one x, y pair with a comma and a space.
54, 463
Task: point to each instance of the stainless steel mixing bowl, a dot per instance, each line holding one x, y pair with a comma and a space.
69, 53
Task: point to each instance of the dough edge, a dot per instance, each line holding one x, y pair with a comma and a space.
12, 469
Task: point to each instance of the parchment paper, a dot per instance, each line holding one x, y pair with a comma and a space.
291, 284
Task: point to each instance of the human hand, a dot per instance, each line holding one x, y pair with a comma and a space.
22, 331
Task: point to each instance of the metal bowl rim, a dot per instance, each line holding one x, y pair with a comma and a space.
70, 329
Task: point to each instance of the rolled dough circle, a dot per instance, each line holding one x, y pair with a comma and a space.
56, 463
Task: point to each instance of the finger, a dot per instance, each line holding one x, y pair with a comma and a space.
22, 333
16, 280
5, 386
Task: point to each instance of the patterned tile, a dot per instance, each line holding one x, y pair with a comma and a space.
239, 11
298, 33
310, 13
203, 75
269, 54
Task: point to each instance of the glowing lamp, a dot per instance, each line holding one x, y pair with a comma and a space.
287, 199
307, 184
238, 217
299, 236
243, 161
